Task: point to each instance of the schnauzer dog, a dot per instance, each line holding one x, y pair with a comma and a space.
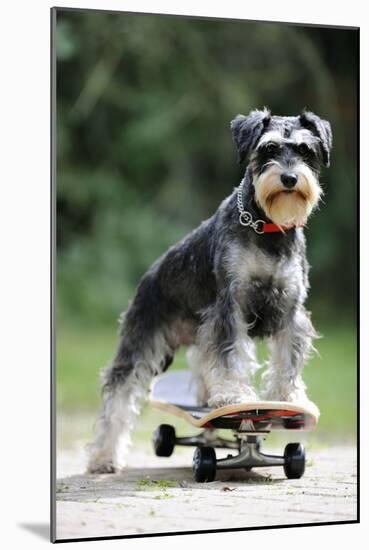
242, 274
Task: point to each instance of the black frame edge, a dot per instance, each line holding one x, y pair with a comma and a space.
53, 16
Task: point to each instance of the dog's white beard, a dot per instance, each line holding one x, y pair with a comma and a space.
285, 207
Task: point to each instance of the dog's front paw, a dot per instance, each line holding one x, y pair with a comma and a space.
295, 396
222, 399
292, 396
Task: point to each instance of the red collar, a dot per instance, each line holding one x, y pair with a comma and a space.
274, 228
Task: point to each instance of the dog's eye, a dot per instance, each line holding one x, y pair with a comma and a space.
303, 149
271, 148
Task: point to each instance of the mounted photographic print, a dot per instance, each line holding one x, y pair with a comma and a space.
205, 220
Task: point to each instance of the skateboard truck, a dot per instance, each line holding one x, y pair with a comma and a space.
205, 464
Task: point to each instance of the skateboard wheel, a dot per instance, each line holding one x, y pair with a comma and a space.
294, 461
164, 440
204, 464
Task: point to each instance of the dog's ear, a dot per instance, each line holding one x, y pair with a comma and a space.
246, 131
320, 128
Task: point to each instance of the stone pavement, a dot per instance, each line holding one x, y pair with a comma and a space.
158, 495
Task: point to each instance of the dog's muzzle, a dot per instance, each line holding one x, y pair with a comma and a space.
287, 196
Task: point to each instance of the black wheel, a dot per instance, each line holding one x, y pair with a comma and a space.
204, 464
294, 460
164, 440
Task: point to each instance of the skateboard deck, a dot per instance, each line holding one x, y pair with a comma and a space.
175, 393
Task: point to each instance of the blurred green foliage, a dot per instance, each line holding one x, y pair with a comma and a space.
144, 151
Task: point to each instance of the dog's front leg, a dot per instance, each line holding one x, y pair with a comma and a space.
225, 357
290, 348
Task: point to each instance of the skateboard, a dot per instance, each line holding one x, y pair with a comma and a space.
251, 422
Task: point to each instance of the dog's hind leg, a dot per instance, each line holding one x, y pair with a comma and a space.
144, 351
124, 385
120, 404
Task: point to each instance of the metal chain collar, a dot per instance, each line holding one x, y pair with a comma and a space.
245, 218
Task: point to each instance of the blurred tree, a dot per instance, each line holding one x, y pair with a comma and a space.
144, 150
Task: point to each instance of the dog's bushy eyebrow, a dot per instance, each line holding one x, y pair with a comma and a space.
270, 137
271, 142
247, 130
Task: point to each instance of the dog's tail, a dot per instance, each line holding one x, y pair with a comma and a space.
124, 385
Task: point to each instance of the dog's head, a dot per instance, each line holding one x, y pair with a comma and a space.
286, 155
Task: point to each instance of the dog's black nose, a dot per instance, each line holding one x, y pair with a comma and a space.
289, 179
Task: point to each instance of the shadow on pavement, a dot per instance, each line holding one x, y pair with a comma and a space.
83, 487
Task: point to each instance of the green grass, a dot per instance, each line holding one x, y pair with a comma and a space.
330, 377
